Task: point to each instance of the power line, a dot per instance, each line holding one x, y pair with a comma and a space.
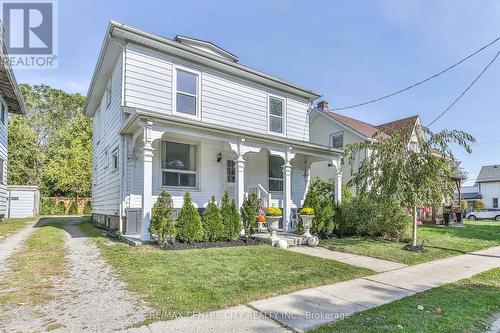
466, 89
419, 82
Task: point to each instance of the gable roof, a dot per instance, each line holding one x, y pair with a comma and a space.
404, 126
489, 173
206, 46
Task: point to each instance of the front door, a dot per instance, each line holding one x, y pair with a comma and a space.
230, 178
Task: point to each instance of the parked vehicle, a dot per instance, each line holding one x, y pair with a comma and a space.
484, 214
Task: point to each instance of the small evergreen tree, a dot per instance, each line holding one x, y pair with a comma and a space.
212, 222
188, 224
320, 198
162, 218
73, 208
88, 208
249, 212
235, 222
226, 215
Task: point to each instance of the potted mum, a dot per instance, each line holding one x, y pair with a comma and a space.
307, 215
273, 216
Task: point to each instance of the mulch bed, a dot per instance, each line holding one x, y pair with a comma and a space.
207, 245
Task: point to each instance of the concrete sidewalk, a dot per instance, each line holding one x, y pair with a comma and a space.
311, 307
377, 265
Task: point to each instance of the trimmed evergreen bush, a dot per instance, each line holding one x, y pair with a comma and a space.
230, 218
188, 223
320, 198
46, 206
235, 225
212, 222
59, 209
73, 208
249, 212
88, 208
162, 219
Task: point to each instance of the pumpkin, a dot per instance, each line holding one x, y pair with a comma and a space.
261, 219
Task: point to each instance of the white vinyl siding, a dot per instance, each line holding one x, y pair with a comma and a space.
223, 100
3, 157
106, 141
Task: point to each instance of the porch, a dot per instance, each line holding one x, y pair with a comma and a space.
167, 156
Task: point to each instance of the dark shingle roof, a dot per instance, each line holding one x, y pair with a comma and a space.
489, 173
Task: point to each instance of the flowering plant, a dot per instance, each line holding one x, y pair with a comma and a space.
273, 211
307, 211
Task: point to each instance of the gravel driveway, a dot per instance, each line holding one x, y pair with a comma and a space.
90, 298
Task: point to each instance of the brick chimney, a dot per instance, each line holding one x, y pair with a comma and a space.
323, 105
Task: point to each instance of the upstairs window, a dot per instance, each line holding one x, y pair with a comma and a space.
276, 114
178, 164
187, 92
114, 160
337, 140
108, 94
275, 173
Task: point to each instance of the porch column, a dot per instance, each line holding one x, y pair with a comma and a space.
239, 165
338, 186
287, 190
147, 184
307, 181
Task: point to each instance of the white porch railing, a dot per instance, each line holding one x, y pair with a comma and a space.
261, 193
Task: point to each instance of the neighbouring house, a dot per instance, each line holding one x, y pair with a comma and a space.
338, 131
11, 101
488, 184
185, 115
470, 194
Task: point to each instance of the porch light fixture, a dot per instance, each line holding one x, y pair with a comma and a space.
219, 157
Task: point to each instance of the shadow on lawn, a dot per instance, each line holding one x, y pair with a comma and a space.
62, 222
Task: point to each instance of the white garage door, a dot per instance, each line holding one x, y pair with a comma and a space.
22, 204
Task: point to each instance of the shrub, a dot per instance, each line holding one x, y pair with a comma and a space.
320, 198
188, 223
463, 206
59, 209
212, 222
73, 208
371, 216
87, 209
230, 218
478, 204
162, 219
249, 211
46, 206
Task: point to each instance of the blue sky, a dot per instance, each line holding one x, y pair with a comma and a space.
350, 51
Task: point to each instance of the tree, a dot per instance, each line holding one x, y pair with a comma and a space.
411, 177
212, 222
188, 224
24, 155
249, 211
479, 204
162, 218
320, 198
67, 170
230, 218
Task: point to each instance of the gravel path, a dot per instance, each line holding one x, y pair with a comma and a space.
13, 243
90, 298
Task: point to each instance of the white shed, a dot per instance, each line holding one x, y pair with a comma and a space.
22, 201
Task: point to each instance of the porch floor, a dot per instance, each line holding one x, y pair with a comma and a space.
291, 238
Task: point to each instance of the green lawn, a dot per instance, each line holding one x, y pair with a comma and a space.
31, 271
440, 242
12, 225
187, 281
466, 306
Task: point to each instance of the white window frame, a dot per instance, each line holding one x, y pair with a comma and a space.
114, 154
108, 93
226, 174
282, 179
330, 139
106, 158
493, 202
196, 172
196, 72
283, 115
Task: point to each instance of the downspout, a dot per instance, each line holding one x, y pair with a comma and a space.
121, 152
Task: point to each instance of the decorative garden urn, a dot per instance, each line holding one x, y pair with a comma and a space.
307, 223
273, 226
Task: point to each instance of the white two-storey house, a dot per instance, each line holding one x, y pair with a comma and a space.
11, 101
184, 115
